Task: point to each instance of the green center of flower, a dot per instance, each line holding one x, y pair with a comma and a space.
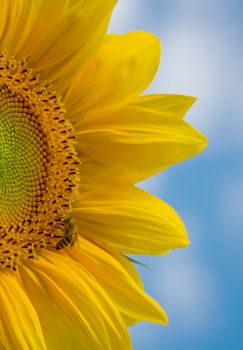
23, 151
38, 165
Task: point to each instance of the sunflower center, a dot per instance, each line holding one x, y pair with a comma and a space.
38, 164
23, 150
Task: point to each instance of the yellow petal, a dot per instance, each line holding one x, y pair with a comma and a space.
137, 141
2, 347
122, 69
130, 220
26, 24
117, 282
98, 174
72, 304
175, 105
130, 321
20, 325
57, 40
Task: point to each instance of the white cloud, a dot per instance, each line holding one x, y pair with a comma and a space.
198, 4
192, 64
189, 291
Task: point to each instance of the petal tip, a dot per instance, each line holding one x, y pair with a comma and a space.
203, 142
163, 318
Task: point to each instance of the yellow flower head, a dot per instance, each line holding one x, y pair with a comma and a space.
75, 136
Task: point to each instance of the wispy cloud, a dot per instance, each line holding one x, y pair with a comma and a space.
189, 291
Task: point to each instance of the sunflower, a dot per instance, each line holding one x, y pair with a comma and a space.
75, 136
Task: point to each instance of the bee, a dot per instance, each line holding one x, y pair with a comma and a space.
69, 233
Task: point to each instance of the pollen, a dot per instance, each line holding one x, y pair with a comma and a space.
38, 164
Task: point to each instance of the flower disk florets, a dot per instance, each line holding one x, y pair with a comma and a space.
38, 164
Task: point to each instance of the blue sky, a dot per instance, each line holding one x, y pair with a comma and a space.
200, 287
